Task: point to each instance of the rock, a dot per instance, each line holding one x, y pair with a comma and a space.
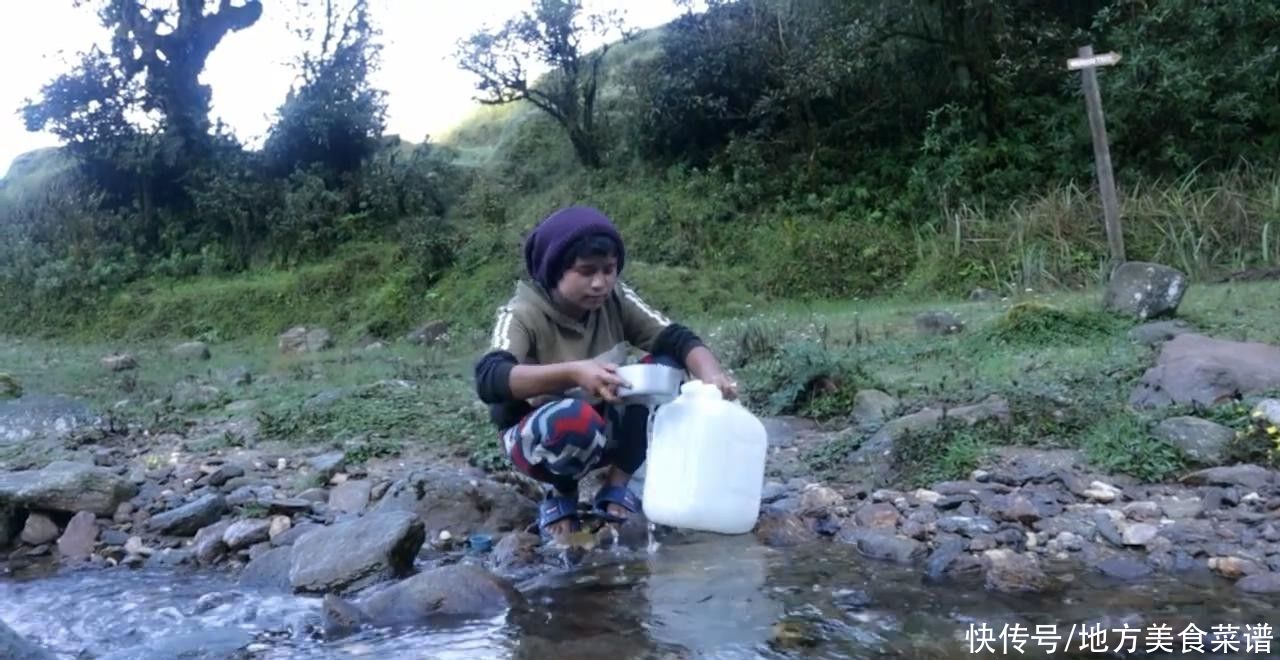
1145, 290
882, 545
301, 339
459, 590
327, 465
356, 554
1099, 491
1180, 507
1196, 370
881, 514
934, 324
447, 499
781, 529
224, 473
1142, 510
983, 295
1252, 477
269, 570
1269, 410
16, 647
1106, 522
872, 407
119, 362
210, 545
39, 530
428, 333
1011, 572
244, 533
1015, 508
279, 525
1156, 332
192, 350
943, 556
135, 546
969, 526
1203, 441
992, 408
191, 394
314, 495
1139, 534
1124, 568
10, 388
186, 520
1260, 583
1234, 567
81, 535
514, 551
66, 487
237, 376
291, 535
350, 497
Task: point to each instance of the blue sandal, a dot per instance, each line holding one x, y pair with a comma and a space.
620, 495
555, 508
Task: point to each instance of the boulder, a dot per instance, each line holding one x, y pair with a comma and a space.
80, 537
1012, 572
269, 570
1194, 369
39, 530
1203, 441
350, 497
356, 554
119, 362
459, 590
66, 487
192, 350
1157, 332
301, 339
449, 500
1145, 290
871, 408
934, 324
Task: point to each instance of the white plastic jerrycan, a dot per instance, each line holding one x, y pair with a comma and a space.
705, 466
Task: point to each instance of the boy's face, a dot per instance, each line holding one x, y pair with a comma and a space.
587, 283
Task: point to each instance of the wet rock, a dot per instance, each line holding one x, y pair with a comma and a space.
457, 590
244, 533
192, 350
1156, 332
1252, 477
779, 528
38, 530
1202, 440
269, 570
1144, 290
66, 487
450, 500
1107, 523
80, 537
135, 547
514, 551
880, 514
1235, 567
327, 465
350, 497
113, 538
851, 600
209, 545
1195, 369
356, 554
1187, 533
187, 519
882, 545
871, 408
119, 362
1260, 583
291, 535
1012, 572
943, 556
935, 324
15, 646
1124, 568
301, 339
1015, 508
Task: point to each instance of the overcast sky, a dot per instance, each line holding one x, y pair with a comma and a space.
250, 70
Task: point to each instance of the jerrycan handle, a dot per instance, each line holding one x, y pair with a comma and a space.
700, 389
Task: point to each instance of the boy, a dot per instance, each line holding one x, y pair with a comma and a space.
568, 327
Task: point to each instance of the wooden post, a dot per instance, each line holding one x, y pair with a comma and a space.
1087, 63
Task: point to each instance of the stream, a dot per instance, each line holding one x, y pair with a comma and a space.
701, 596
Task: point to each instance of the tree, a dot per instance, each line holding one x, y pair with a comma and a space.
157, 55
551, 33
334, 118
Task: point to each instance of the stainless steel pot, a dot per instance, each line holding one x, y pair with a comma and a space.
650, 383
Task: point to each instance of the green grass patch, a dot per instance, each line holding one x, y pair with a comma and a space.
1038, 323
1123, 443
948, 453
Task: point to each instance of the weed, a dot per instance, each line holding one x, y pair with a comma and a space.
950, 452
1122, 443
1037, 323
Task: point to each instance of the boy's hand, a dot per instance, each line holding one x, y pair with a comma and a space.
728, 387
599, 379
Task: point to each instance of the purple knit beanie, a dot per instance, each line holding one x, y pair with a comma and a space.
547, 243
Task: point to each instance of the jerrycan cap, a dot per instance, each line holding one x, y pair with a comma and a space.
699, 388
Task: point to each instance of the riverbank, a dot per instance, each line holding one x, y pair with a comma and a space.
1001, 444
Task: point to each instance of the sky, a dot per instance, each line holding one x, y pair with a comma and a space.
250, 71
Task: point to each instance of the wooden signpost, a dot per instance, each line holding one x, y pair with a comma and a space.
1087, 63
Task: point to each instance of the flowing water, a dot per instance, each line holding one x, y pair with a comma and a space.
698, 596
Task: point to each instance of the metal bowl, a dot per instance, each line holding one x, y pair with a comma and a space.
650, 382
